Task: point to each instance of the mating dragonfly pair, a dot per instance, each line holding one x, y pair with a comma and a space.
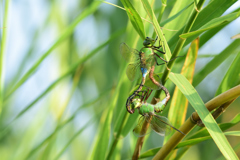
144, 61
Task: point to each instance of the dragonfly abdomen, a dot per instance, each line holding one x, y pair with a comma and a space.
130, 98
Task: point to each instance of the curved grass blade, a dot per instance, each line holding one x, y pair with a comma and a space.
63, 124
232, 77
181, 20
206, 117
156, 26
216, 61
224, 126
236, 148
92, 8
2, 53
212, 24
179, 102
162, 23
213, 10
175, 16
101, 147
74, 137
134, 17
69, 72
210, 33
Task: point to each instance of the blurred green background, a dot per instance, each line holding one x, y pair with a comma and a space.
56, 111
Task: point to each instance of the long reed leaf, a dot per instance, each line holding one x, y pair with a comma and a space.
211, 125
92, 8
134, 18
216, 61
69, 72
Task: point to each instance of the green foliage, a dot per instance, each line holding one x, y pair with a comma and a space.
63, 92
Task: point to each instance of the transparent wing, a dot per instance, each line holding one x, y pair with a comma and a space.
149, 83
151, 60
133, 71
148, 61
138, 128
129, 54
162, 126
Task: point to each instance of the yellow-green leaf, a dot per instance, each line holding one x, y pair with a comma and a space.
216, 133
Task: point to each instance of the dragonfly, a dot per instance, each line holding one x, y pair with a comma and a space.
143, 61
159, 124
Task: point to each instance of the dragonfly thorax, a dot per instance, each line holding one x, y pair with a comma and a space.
147, 58
145, 52
146, 108
136, 103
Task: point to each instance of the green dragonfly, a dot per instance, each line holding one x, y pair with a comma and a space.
159, 124
143, 61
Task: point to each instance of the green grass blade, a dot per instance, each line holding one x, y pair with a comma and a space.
92, 8
206, 117
236, 148
186, 143
63, 124
198, 137
181, 20
69, 72
216, 61
212, 24
210, 33
213, 10
179, 102
2, 53
100, 150
232, 77
156, 26
74, 137
175, 16
134, 17
224, 126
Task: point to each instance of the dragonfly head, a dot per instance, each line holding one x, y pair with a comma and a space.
148, 42
136, 103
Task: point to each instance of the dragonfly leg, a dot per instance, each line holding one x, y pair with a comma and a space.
160, 85
164, 59
161, 59
156, 48
147, 95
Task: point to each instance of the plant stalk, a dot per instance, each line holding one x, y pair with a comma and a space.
223, 98
219, 100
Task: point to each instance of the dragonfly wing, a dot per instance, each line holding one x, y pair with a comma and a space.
159, 124
150, 61
129, 54
138, 128
164, 124
133, 71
